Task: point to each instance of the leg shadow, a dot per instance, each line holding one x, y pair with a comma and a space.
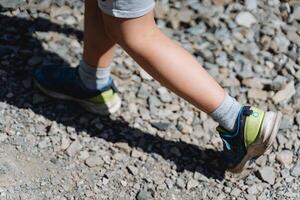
18, 45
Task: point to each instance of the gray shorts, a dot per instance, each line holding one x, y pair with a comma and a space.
126, 8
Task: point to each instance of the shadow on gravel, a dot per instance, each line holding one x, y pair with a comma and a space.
17, 46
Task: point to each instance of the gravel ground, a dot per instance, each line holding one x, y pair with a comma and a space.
157, 146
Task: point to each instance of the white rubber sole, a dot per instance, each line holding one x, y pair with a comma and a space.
99, 109
263, 142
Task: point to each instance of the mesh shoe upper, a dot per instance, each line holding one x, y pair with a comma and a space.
233, 143
66, 80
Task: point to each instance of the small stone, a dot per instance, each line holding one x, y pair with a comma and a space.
296, 169
162, 126
293, 37
285, 157
136, 154
145, 75
83, 155
250, 197
94, 161
192, 184
253, 83
133, 170
286, 122
257, 94
3, 137
44, 143
219, 2
175, 151
74, 148
285, 94
34, 61
296, 14
11, 3
164, 95
180, 183
145, 195
245, 19
185, 15
252, 190
251, 4
169, 183
267, 174
235, 192
282, 43
65, 143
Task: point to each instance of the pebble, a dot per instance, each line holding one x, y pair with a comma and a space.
285, 157
65, 143
192, 184
251, 4
144, 195
257, 94
296, 170
94, 161
285, 94
162, 126
180, 183
267, 174
133, 170
245, 19
74, 148
164, 95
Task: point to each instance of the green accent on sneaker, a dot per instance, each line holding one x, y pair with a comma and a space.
253, 125
104, 97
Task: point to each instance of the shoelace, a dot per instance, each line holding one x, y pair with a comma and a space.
246, 112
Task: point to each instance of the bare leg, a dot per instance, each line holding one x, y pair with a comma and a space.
98, 47
166, 61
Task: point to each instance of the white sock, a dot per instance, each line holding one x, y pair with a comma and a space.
226, 114
94, 78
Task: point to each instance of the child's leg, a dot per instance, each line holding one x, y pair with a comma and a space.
98, 49
165, 60
90, 84
174, 67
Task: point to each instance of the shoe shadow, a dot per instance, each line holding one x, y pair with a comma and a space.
18, 45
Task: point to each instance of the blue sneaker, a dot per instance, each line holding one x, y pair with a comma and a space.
255, 133
65, 83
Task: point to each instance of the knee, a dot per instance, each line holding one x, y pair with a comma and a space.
127, 34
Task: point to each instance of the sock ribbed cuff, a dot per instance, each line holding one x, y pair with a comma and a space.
93, 77
227, 113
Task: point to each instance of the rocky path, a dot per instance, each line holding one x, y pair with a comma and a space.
157, 146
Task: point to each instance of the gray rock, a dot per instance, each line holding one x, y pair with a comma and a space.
296, 170
285, 94
164, 95
258, 94
285, 157
133, 170
94, 161
251, 4
235, 192
282, 43
180, 183
293, 37
245, 19
145, 194
11, 3
267, 174
296, 14
74, 148
162, 126
192, 184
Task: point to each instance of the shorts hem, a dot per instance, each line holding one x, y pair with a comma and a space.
127, 14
